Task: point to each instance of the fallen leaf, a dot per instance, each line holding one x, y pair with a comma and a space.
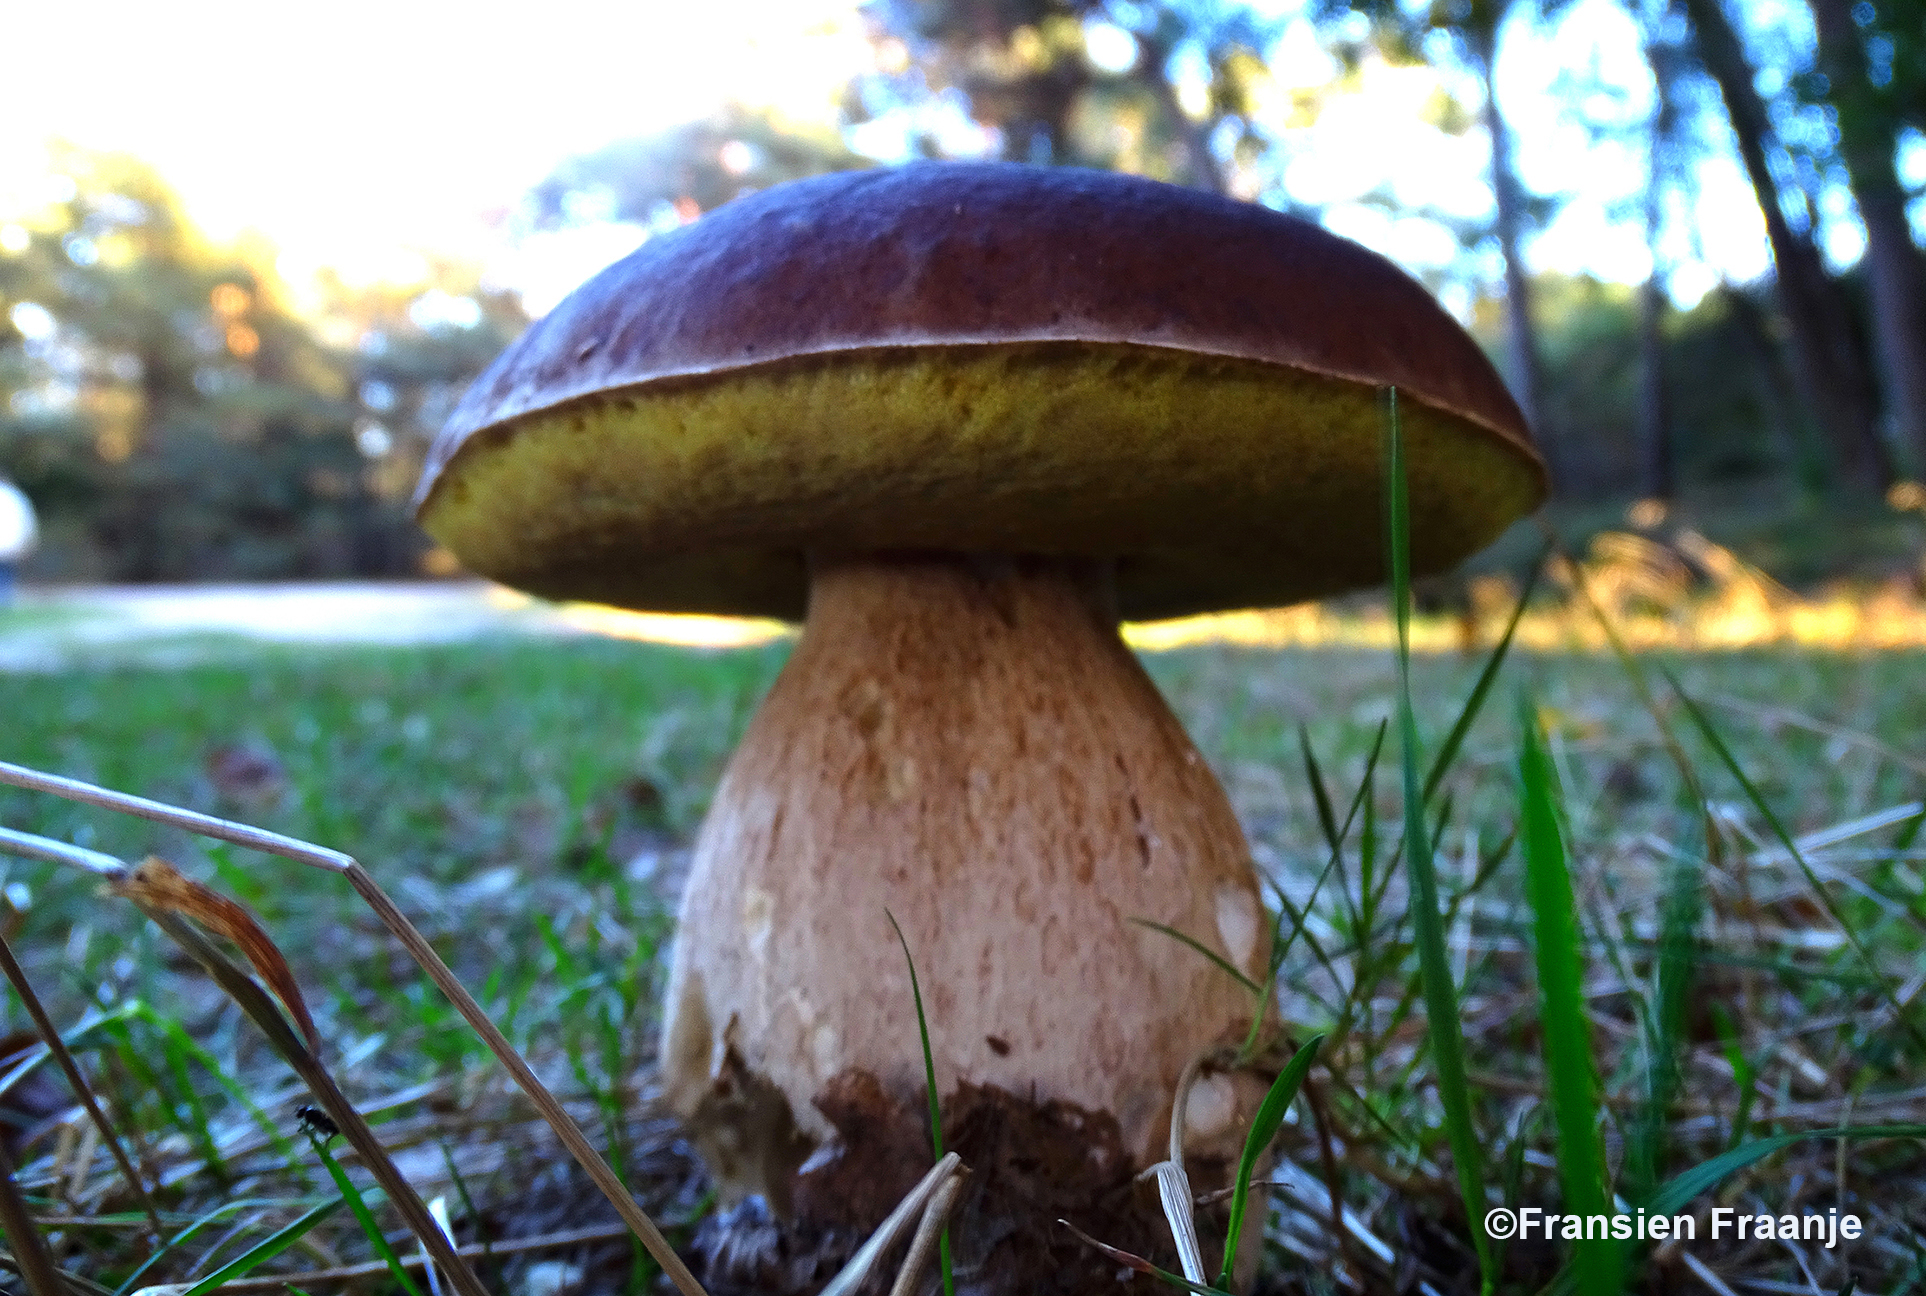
156, 883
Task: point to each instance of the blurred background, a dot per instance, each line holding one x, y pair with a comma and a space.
249, 261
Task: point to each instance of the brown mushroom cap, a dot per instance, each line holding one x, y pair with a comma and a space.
978, 358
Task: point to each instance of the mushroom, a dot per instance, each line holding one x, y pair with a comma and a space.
959, 419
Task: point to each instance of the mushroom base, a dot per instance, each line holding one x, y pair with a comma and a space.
967, 746
1031, 1164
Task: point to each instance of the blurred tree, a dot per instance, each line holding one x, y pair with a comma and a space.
663, 180
1476, 24
1741, 407
1730, 418
410, 351
1856, 76
1656, 478
1163, 88
167, 407
1667, 59
1471, 30
1021, 65
1829, 356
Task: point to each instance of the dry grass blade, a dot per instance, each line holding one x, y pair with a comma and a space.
50, 1036
928, 1233
857, 1271
28, 846
353, 1126
558, 1120
1704, 1273
1173, 1189
1181, 1105
1641, 687
162, 901
155, 884
30, 1254
1800, 720
469, 1251
1825, 898
1136, 1263
255, 1001
439, 1209
397, 923
1333, 1179
192, 820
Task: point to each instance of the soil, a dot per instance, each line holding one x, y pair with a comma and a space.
1030, 1165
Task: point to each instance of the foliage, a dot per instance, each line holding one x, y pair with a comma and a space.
661, 181
177, 414
1737, 420
180, 411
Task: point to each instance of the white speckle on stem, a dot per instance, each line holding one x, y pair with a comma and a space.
1237, 924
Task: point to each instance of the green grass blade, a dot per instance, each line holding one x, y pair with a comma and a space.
1743, 1072
187, 1233
363, 1216
1282, 940
1717, 743
1908, 833
265, 1250
175, 1049
1441, 763
1222, 963
1681, 1190
1561, 992
1427, 920
929, 1083
1666, 1027
1264, 1126
1315, 777
176, 1037
1488, 865
1254, 1036
473, 1212
1358, 801
1368, 887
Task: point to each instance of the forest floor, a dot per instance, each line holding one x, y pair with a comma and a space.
527, 791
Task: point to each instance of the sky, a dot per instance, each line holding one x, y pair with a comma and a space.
356, 135
354, 131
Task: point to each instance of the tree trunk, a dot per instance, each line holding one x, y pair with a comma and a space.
1205, 172
1897, 283
1509, 195
1827, 358
1800, 443
1656, 469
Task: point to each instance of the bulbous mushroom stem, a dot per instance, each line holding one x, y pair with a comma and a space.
969, 745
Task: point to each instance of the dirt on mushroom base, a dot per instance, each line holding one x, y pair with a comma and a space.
1030, 1164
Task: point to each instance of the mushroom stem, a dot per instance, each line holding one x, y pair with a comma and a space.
968, 744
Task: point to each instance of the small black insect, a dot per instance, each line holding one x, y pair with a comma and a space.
315, 1121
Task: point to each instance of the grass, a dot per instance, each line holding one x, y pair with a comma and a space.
932, 1094
530, 805
1560, 965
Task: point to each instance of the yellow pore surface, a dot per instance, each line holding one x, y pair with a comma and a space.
1215, 483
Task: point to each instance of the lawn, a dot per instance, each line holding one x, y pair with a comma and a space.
529, 804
